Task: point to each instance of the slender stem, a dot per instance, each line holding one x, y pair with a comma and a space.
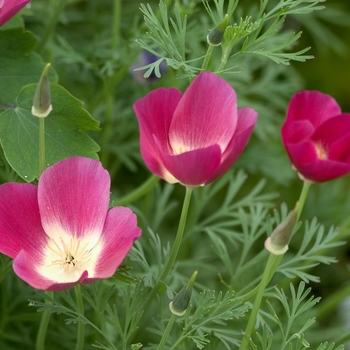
270, 269
52, 25
267, 275
207, 57
166, 332
302, 197
81, 326
116, 23
44, 323
175, 249
138, 192
42, 161
329, 304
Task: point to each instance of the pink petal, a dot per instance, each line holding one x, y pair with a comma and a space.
25, 266
8, 8
73, 196
301, 153
205, 116
313, 106
194, 168
20, 224
119, 233
323, 170
297, 132
154, 113
247, 118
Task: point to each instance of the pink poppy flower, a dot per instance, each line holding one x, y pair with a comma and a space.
8, 8
60, 233
316, 135
195, 137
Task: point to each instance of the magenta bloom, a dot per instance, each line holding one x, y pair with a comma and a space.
316, 135
60, 233
193, 138
8, 8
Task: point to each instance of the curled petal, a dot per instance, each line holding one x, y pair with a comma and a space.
313, 106
247, 118
119, 233
206, 115
73, 197
8, 8
154, 113
193, 168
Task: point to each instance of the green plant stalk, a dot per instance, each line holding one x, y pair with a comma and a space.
175, 249
270, 269
45, 318
81, 326
42, 161
117, 9
52, 25
329, 304
166, 332
138, 192
207, 57
44, 323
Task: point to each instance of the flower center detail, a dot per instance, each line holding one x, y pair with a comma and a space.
70, 255
179, 148
321, 151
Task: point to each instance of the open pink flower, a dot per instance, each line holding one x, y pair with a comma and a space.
316, 135
61, 232
193, 138
8, 8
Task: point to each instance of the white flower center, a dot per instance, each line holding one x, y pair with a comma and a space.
72, 255
67, 256
321, 151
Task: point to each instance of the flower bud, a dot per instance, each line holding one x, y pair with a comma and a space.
180, 303
42, 98
278, 242
214, 38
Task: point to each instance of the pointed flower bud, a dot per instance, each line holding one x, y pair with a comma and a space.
277, 243
42, 98
214, 38
180, 303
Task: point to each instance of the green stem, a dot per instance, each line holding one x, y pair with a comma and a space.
271, 264
44, 323
175, 249
270, 269
81, 326
138, 192
329, 304
166, 332
52, 25
117, 9
207, 57
302, 198
42, 162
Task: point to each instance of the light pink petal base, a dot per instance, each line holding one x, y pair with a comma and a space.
25, 267
206, 114
73, 195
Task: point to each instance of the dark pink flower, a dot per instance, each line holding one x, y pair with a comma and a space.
193, 138
60, 233
316, 135
8, 8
